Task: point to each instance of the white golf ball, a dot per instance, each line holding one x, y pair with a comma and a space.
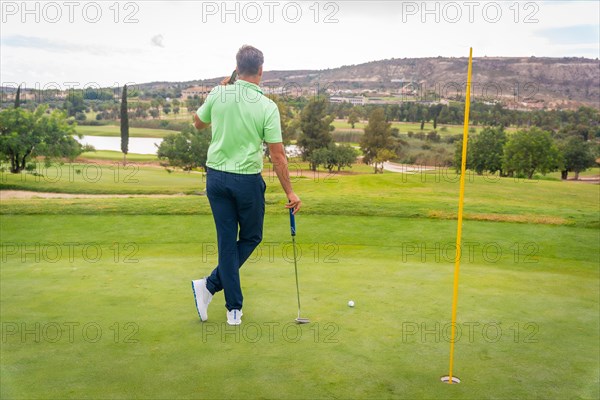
351, 303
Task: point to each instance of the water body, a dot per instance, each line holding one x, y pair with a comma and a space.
145, 145
136, 145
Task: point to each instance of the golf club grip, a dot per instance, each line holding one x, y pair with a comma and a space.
233, 77
292, 222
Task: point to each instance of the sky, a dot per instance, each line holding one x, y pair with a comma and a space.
64, 44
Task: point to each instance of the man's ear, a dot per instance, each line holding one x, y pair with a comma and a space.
260, 70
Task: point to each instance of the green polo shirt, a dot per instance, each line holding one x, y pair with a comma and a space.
242, 119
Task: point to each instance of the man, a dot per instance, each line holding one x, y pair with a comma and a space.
242, 119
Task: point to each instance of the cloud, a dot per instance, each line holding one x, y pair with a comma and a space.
34, 42
576, 34
157, 40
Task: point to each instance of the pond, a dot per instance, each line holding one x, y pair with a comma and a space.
137, 145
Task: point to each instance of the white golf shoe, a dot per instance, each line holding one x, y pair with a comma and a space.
202, 297
234, 317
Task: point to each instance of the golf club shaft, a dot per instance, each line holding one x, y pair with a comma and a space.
296, 272
293, 232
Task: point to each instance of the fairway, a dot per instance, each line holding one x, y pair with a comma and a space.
96, 301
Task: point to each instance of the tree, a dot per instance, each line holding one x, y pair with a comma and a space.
354, 116
155, 110
577, 156
322, 157
486, 150
344, 156
18, 97
382, 156
422, 124
334, 156
193, 103
124, 125
458, 156
315, 127
530, 151
187, 149
377, 137
25, 133
176, 106
74, 103
285, 119
154, 113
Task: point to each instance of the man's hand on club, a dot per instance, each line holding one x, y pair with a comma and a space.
294, 202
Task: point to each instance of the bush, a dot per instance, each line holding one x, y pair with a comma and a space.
452, 139
433, 137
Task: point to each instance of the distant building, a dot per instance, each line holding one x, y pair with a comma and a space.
352, 100
200, 91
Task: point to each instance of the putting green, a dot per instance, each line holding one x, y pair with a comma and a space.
111, 314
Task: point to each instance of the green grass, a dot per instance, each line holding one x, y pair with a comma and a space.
114, 130
404, 127
428, 194
94, 178
153, 346
117, 156
528, 300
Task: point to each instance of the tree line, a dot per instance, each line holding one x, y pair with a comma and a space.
556, 140
527, 152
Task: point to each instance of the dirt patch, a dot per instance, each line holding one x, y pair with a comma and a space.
24, 194
531, 219
84, 160
586, 179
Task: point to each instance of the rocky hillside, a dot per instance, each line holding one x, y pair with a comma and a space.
522, 82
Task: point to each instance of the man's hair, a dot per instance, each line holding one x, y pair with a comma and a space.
249, 60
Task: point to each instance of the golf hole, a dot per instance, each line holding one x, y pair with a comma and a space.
446, 379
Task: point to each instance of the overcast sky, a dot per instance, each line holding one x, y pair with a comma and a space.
111, 43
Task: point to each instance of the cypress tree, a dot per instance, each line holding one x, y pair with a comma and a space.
124, 125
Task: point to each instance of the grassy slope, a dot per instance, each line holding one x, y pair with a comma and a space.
382, 241
431, 194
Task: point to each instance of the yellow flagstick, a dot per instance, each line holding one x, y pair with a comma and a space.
461, 200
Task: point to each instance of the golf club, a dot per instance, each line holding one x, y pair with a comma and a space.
299, 320
233, 77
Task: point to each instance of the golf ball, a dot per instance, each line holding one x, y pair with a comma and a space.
351, 303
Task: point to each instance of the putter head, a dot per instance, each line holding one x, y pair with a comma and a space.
302, 320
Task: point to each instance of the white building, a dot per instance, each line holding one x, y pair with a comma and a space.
352, 100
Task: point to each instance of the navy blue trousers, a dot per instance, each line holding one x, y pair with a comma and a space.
238, 206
